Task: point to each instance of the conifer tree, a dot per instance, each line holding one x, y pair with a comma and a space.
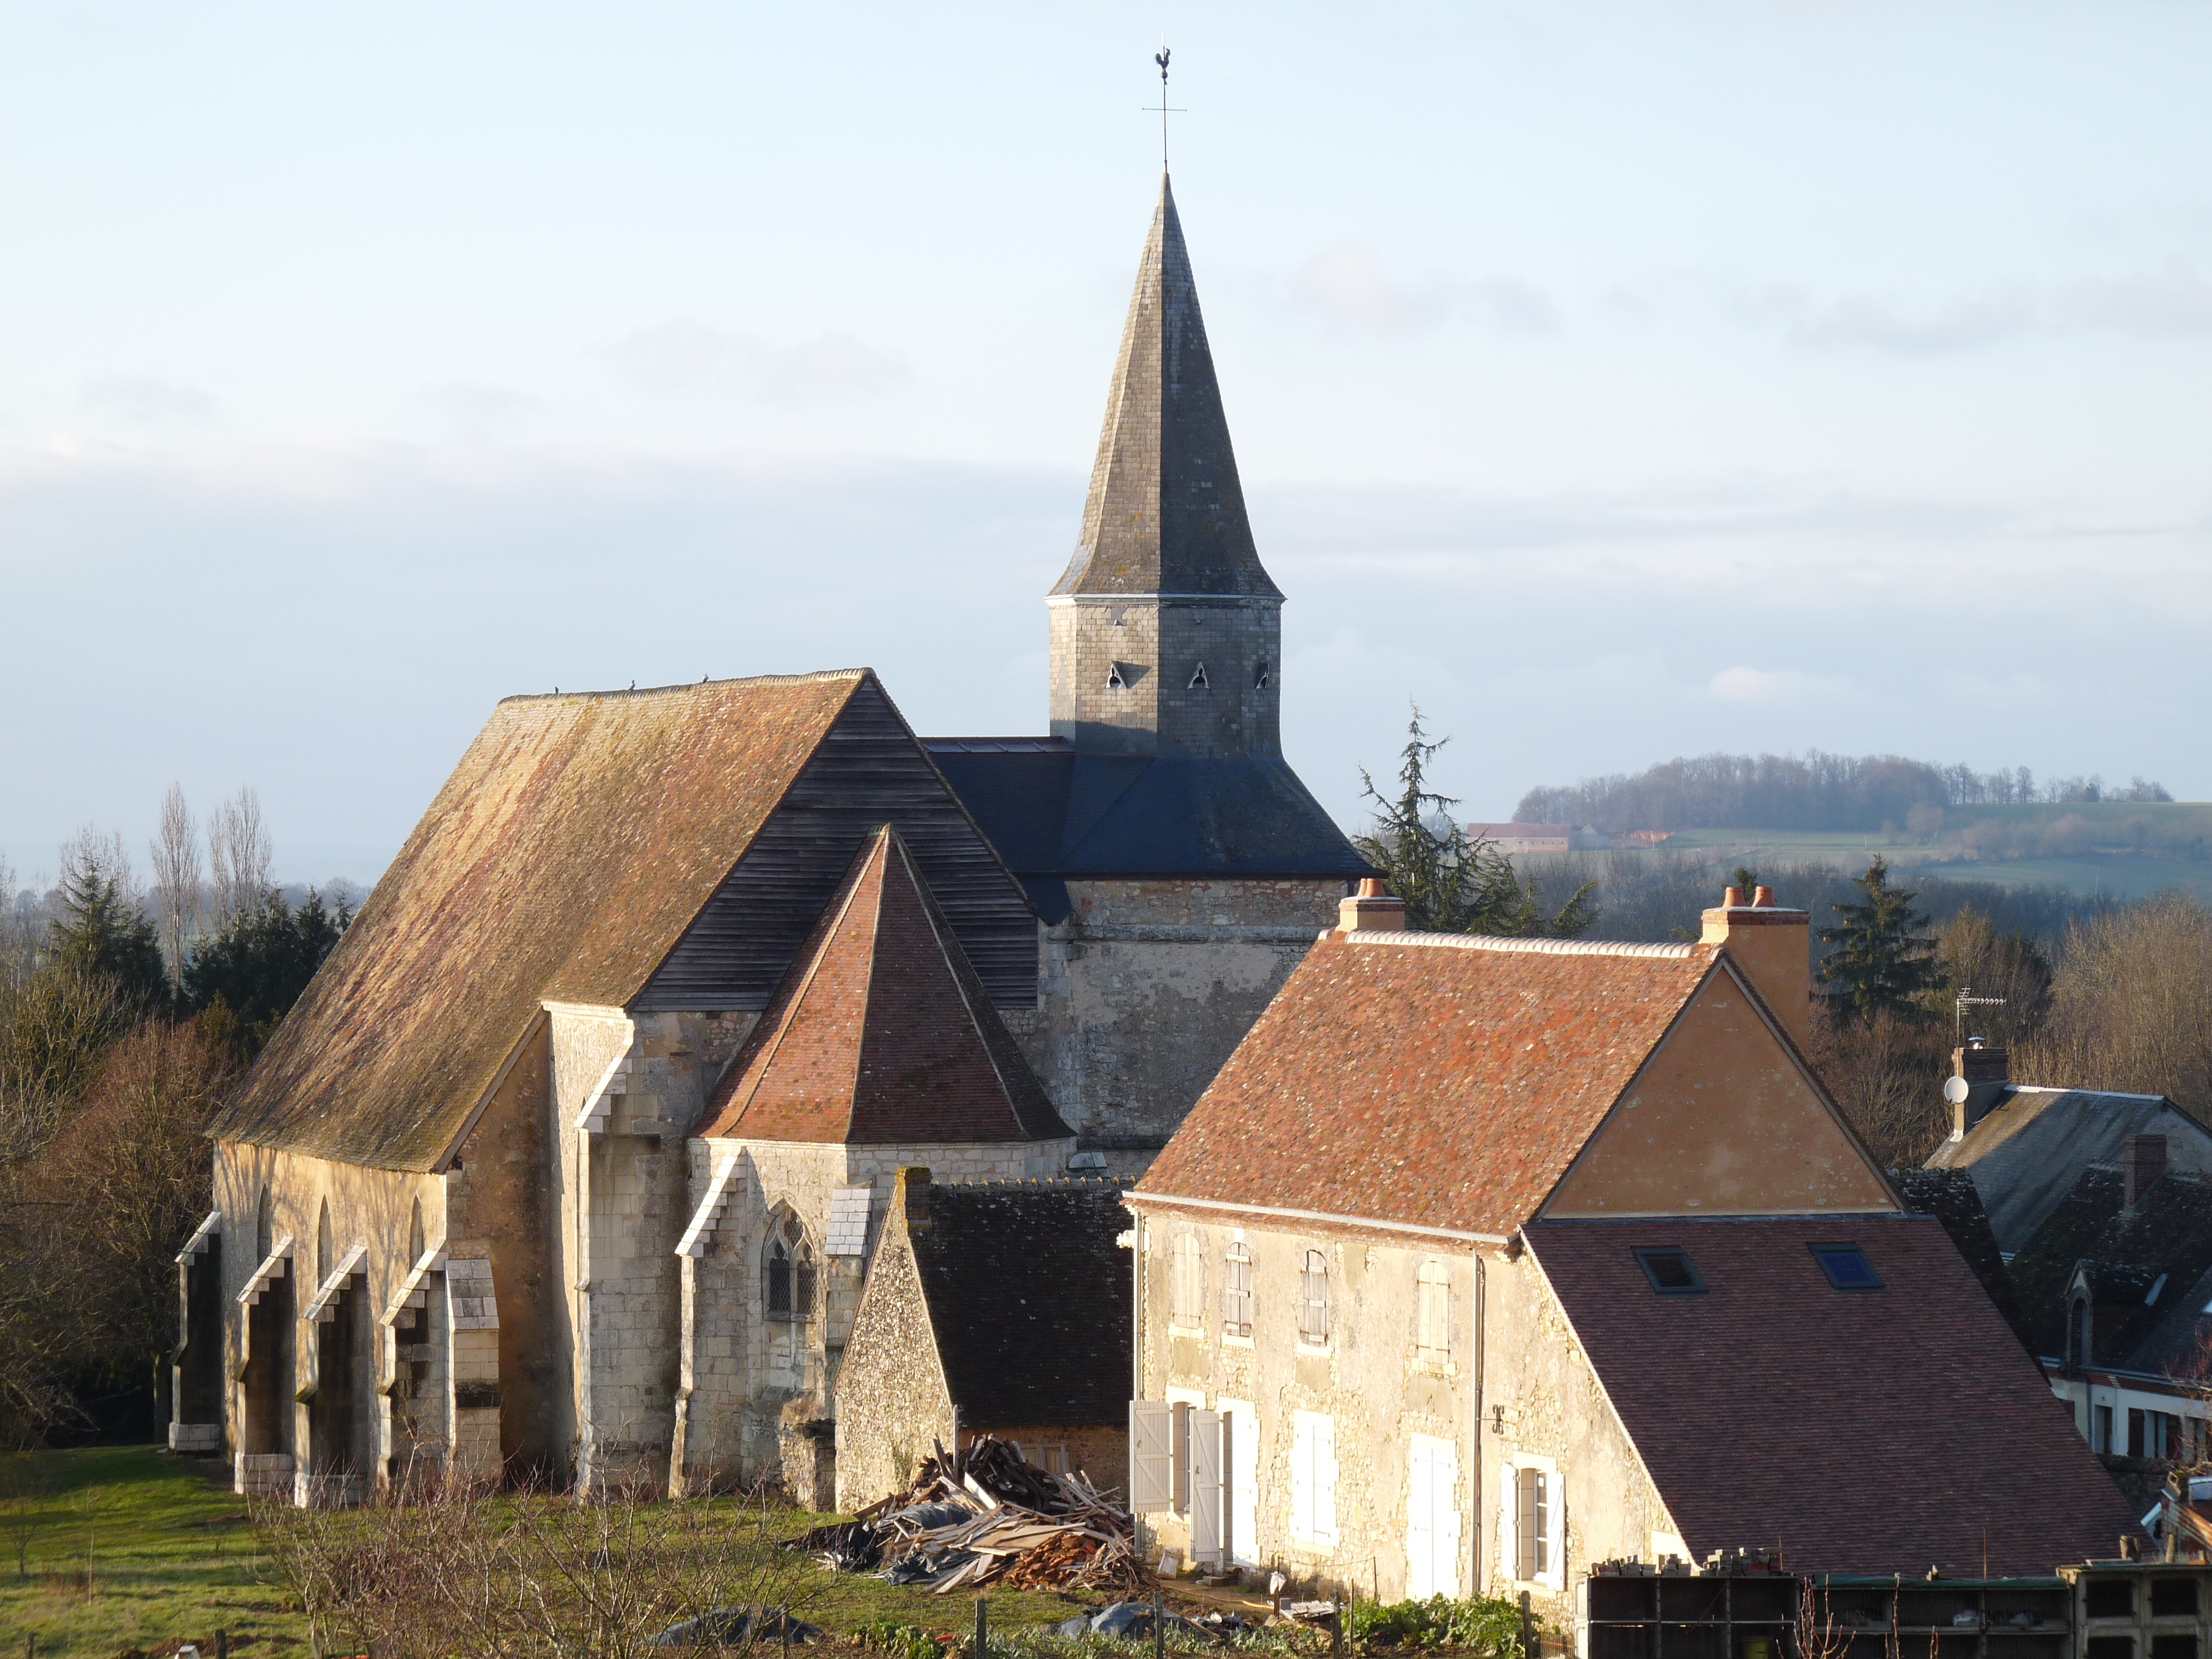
1882, 962
1453, 884
104, 935
262, 958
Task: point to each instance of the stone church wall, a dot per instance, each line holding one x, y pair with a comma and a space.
1147, 988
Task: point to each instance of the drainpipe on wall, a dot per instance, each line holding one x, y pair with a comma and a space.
1136, 1366
1474, 1469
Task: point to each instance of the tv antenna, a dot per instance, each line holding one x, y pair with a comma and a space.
1161, 57
1966, 1000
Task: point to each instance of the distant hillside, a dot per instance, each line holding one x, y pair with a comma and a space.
1875, 794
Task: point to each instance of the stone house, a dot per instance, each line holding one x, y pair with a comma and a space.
523, 1181
1484, 1260
996, 1308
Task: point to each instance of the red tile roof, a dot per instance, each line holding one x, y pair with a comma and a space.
1863, 1431
880, 1033
1428, 1079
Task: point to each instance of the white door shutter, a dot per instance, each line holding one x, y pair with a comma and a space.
1151, 1473
1244, 1489
1431, 1519
1302, 1473
1206, 1487
1325, 1481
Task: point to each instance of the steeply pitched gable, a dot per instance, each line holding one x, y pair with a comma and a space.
881, 1034
1723, 1118
1428, 1079
570, 858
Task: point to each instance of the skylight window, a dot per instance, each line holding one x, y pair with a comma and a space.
1847, 1267
1670, 1273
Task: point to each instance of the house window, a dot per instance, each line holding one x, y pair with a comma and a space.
1847, 1267
1313, 1299
2101, 1428
1313, 1477
1433, 1336
1237, 1291
790, 1270
2153, 1434
1669, 1271
1186, 1282
1531, 1524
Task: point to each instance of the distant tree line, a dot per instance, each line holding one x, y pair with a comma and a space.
1813, 791
126, 1017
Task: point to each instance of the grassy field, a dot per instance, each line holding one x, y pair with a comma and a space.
112, 1548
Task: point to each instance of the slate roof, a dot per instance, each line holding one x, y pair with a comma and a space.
566, 855
2026, 1153
1028, 1299
1951, 1197
1513, 1048
1166, 510
881, 1034
1866, 1432
2164, 1244
1054, 814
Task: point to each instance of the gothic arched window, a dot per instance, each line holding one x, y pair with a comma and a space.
790, 1269
264, 1226
323, 1262
418, 1242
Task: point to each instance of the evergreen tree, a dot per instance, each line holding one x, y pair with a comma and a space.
102, 934
1452, 883
261, 960
1882, 962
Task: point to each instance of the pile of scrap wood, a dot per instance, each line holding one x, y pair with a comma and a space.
984, 1515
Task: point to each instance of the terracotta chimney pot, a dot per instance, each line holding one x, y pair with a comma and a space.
1732, 899
1371, 909
1763, 899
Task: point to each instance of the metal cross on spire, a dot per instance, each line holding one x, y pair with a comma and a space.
1161, 58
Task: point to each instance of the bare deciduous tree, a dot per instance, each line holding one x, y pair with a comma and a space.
239, 855
2131, 1005
176, 854
104, 857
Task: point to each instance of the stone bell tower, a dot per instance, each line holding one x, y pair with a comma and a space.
1166, 631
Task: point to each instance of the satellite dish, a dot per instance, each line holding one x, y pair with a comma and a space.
1954, 1091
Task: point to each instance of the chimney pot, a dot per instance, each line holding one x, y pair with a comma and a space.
1732, 899
1763, 899
1371, 910
2146, 1163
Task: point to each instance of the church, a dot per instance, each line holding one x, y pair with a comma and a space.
573, 1159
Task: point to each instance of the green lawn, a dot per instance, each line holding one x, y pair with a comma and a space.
130, 1546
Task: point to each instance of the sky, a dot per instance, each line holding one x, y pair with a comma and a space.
1613, 381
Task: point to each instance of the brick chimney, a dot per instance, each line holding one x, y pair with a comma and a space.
1371, 910
2146, 1163
1985, 1070
910, 1194
1773, 947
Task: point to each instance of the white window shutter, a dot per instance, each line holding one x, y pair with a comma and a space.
1509, 1519
1152, 1475
1206, 1487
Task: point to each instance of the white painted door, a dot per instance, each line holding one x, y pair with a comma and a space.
1241, 1426
1431, 1518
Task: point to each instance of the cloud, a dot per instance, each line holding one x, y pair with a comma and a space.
685, 357
479, 411
1347, 285
142, 400
1761, 685
2173, 304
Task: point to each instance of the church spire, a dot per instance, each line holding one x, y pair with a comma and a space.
1166, 513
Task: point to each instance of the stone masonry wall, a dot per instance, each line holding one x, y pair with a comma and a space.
1537, 1396
892, 1403
1149, 986
1158, 649
370, 1207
